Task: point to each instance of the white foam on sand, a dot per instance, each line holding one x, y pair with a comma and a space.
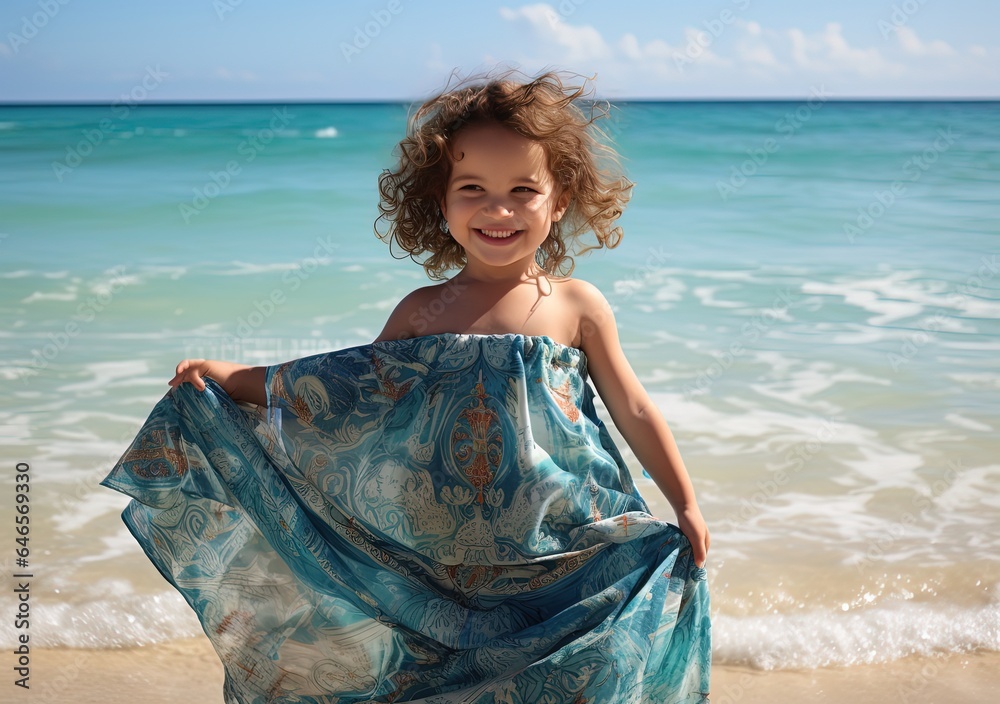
118, 620
854, 636
831, 482
95, 503
969, 423
845, 637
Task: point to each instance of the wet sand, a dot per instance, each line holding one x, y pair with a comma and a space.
190, 671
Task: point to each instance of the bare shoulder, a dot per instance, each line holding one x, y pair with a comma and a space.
613, 376
582, 293
401, 323
587, 305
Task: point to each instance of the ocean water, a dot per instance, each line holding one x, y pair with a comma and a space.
810, 291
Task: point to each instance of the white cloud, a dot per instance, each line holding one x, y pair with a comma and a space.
753, 48
656, 50
799, 47
757, 54
912, 45
582, 42
667, 59
745, 57
630, 47
829, 52
697, 47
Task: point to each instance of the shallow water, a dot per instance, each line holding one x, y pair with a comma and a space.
831, 374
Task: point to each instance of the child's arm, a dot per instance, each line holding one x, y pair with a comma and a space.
241, 382
635, 415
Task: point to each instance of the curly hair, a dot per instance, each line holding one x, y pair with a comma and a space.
543, 109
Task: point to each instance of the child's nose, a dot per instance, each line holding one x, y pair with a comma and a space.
498, 207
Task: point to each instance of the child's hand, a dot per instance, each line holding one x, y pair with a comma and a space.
693, 526
241, 382
192, 371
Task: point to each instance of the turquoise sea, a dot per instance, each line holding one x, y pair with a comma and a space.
810, 291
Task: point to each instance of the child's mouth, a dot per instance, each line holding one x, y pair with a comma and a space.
497, 236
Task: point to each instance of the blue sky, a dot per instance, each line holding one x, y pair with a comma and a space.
72, 50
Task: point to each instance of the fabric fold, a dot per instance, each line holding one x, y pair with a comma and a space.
438, 519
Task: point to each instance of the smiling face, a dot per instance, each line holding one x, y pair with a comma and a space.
501, 200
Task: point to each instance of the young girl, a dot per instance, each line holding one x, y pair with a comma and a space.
440, 515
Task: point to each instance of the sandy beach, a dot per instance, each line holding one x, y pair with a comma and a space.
190, 671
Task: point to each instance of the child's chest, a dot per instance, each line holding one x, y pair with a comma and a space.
524, 310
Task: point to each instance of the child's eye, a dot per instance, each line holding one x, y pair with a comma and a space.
469, 187
525, 189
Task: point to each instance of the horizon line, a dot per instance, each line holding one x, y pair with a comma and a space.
404, 101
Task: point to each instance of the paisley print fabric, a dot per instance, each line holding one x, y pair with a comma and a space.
440, 519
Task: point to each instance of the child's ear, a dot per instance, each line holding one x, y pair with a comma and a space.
561, 205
